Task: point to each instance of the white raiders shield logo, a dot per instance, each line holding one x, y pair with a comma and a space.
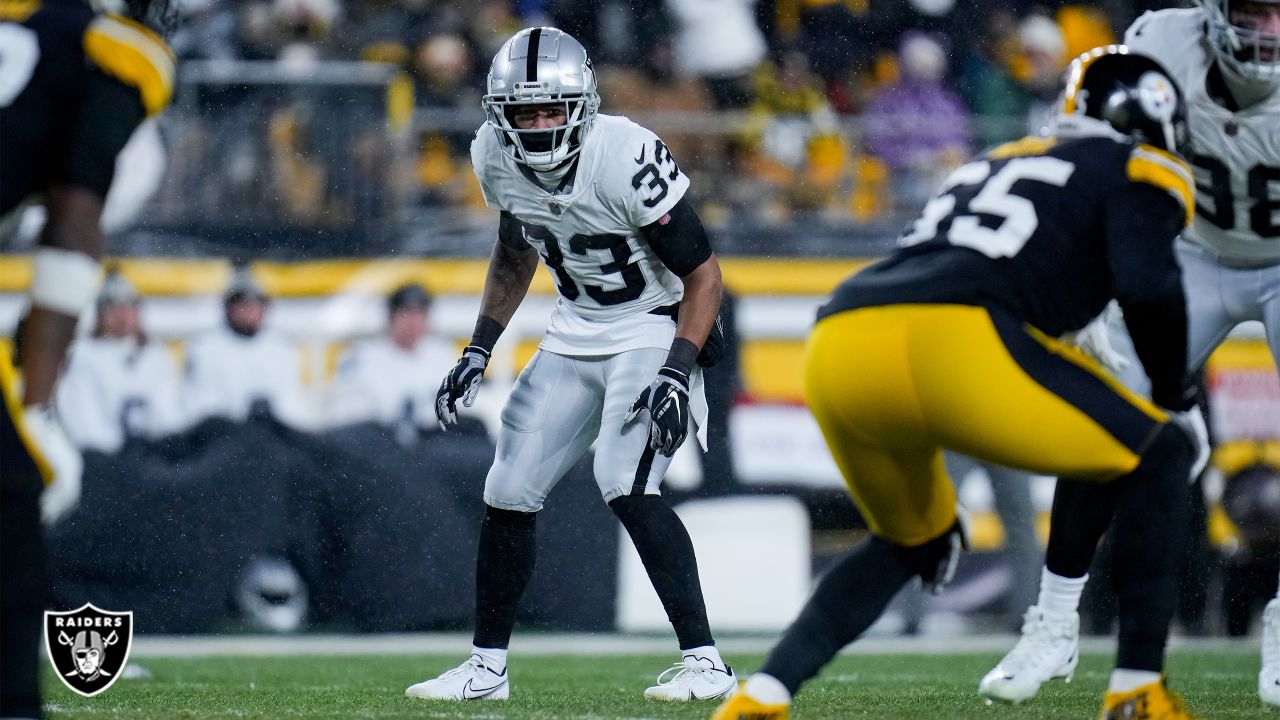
88, 647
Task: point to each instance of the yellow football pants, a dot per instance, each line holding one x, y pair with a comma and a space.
892, 386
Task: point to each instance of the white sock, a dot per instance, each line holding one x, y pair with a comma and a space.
1060, 595
708, 652
1123, 680
767, 689
494, 658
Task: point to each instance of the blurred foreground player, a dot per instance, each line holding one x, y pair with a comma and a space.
949, 344
1225, 54
74, 83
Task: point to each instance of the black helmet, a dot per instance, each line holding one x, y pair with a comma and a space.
1130, 93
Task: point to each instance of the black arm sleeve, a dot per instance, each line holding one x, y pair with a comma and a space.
509, 233
109, 112
1141, 223
679, 239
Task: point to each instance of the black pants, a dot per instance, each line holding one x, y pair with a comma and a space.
24, 588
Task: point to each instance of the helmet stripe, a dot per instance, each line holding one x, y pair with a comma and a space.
531, 62
1071, 94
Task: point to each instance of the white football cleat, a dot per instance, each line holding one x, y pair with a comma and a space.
1048, 649
472, 680
1269, 678
694, 678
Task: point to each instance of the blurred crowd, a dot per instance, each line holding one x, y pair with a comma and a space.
849, 111
121, 384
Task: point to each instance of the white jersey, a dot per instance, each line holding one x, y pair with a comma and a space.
380, 381
1236, 155
114, 388
227, 373
607, 275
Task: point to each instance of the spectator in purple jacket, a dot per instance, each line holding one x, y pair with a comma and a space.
918, 126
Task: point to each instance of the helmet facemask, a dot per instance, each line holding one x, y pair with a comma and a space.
1236, 31
540, 148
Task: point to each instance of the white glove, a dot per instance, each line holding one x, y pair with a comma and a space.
1192, 423
1094, 340
63, 494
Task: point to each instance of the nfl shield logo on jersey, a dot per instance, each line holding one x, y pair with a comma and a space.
88, 647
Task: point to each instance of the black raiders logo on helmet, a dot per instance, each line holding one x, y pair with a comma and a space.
1130, 93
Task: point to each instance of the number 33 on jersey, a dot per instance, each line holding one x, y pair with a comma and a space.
589, 235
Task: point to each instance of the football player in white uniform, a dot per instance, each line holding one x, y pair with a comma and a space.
1226, 56
601, 200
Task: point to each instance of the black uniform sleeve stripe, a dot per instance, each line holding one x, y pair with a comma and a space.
509, 233
679, 239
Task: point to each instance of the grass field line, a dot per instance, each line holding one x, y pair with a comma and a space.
584, 644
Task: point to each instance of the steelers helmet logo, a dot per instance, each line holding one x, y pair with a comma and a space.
1157, 95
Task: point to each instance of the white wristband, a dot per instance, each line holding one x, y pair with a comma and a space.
64, 281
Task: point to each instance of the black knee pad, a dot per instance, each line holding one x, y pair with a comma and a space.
935, 561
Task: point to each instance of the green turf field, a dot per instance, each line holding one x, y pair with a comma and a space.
1216, 684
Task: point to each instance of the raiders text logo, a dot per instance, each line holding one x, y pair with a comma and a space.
88, 647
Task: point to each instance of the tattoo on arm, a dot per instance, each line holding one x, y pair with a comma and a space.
510, 272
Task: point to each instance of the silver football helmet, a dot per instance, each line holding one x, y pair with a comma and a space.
1249, 50
541, 66
159, 15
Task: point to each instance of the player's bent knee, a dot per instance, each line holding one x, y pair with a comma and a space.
1166, 463
509, 518
1171, 452
935, 560
507, 489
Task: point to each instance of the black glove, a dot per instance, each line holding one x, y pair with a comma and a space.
461, 383
713, 348
667, 401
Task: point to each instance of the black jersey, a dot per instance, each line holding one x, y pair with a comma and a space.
1050, 230
73, 86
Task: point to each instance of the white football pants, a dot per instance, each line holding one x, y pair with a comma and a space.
1218, 299
558, 407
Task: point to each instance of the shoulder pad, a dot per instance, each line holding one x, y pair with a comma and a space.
133, 55
17, 10
1151, 165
